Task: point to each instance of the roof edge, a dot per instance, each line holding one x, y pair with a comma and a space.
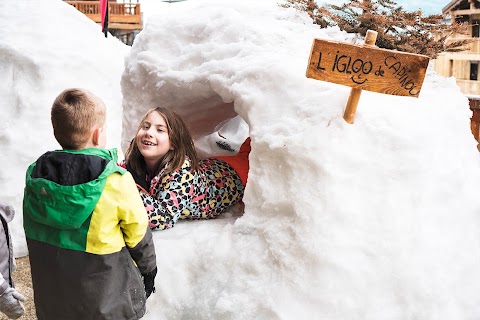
450, 5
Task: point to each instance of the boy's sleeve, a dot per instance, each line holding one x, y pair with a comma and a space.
144, 253
134, 225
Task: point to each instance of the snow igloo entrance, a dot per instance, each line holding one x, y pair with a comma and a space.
211, 121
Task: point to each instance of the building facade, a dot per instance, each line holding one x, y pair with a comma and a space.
124, 16
464, 65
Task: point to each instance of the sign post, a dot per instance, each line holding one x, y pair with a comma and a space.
366, 67
354, 97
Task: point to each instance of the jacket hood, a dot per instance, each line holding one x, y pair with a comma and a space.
63, 187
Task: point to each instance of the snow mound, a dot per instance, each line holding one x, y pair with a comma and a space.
63, 49
375, 220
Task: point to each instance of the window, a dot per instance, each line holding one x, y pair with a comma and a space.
475, 29
474, 70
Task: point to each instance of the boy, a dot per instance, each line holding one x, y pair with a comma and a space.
85, 222
10, 299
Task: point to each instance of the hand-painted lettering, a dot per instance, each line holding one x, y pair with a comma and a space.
401, 72
380, 72
319, 61
358, 67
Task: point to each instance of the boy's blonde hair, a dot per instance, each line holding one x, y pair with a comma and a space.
75, 112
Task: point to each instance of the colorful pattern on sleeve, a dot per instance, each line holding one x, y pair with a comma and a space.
186, 194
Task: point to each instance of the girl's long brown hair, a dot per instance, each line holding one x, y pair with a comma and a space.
180, 140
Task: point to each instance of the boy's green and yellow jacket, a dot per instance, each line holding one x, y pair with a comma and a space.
85, 226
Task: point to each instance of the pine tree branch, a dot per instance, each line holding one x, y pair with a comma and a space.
397, 29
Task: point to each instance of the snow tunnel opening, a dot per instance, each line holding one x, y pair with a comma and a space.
209, 118
214, 125
213, 122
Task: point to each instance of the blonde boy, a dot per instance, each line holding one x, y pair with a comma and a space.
91, 251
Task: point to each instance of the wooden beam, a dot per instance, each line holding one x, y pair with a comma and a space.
461, 56
450, 5
124, 26
464, 12
116, 19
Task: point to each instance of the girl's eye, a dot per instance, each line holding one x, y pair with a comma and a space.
145, 127
160, 130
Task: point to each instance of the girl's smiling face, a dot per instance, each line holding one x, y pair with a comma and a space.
153, 140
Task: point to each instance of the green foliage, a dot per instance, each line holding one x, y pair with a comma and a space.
397, 29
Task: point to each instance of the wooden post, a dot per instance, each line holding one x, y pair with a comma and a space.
354, 97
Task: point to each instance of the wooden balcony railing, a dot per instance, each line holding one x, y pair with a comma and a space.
469, 87
125, 16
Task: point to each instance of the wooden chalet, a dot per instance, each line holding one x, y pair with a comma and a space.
464, 65
124, 18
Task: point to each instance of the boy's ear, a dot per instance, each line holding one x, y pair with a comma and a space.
96, 136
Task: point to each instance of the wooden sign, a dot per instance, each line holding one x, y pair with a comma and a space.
366, 67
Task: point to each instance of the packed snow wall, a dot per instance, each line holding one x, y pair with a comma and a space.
375, 220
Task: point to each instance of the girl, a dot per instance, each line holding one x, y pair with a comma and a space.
173, 183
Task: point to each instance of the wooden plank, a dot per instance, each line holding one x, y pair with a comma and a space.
125, 19
124, 26
367, 68
474, 127
475, 117
465, 12
117, 19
